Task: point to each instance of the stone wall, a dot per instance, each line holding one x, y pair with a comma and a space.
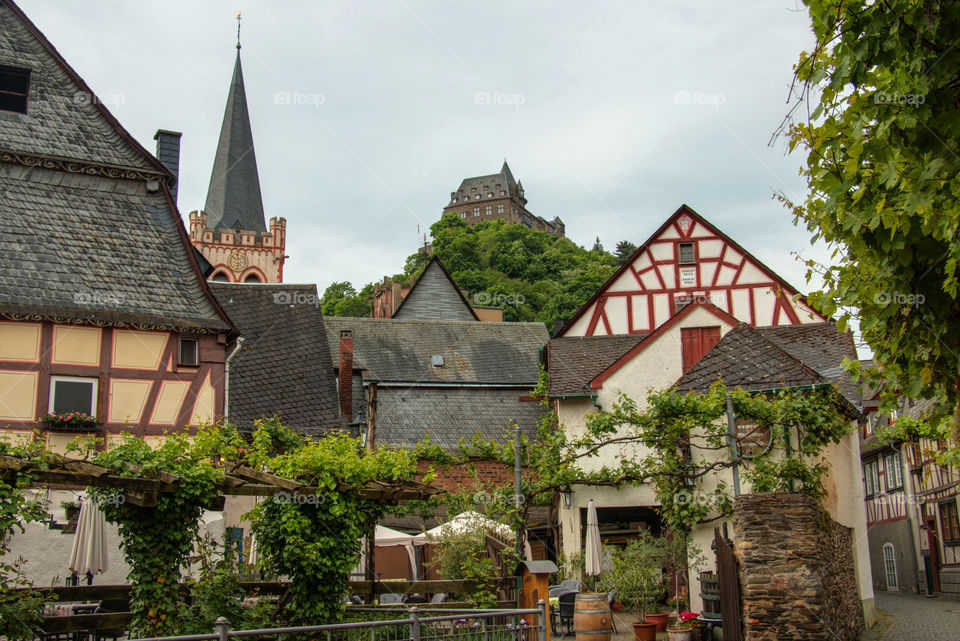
797, 573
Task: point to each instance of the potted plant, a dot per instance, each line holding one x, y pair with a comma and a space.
680, 555
682, 630
637, 579
72, 513
70, 422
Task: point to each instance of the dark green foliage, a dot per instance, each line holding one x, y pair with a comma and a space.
624, 250
531, 275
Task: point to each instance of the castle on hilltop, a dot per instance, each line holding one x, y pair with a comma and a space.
498, 196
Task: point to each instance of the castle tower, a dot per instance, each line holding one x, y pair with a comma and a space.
230, 231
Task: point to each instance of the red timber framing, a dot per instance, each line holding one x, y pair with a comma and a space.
206, 377
656, 282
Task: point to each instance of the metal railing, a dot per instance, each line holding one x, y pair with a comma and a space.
409, 625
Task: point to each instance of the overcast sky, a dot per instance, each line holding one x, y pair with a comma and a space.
611, 113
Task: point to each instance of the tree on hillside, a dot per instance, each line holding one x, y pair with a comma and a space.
597, 246
624, 251
878, 112
341, 299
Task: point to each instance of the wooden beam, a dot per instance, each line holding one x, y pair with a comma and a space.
256, 476
141, 499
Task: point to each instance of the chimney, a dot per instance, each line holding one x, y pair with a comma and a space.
395, 296
168, 153
346, 374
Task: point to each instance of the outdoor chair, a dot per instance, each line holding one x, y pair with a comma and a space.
565, 611
571, 584
557, 590
108, 606
391, 598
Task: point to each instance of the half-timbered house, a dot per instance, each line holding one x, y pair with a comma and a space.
103, 309
688, 259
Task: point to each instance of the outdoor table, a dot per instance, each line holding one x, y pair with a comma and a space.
706, 627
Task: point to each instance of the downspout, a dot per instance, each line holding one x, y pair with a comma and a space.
226, 378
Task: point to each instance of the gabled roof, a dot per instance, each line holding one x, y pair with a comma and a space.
651, 338
434, 296
575, 361
283, 367
627, 264
401, 351
746, 358
233, 198
91, 232
64, 119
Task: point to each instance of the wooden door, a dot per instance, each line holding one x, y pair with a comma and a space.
728, 576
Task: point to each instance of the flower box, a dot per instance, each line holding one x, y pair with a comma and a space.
70, 422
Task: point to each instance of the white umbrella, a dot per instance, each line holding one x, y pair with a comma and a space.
252, 558
462, 522
89, 551
592, 553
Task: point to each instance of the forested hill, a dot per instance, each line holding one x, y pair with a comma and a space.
531, 275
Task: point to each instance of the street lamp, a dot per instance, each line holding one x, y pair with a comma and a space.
567, 495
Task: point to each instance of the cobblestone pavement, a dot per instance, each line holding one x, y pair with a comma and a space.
917, 618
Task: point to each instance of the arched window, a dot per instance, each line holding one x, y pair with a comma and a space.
890, 567
252, 278
221, 277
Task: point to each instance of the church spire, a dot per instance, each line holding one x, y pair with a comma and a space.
233, 198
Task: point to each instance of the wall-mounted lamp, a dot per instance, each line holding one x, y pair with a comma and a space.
567, 495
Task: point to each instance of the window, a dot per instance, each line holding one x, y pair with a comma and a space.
489, 210
500, 208
490, 194
73, 394
454, 199
949, 523
252, 278
477, 197
503, 193
893, 471
917, 452
476, 211
697, 341
14, 89
871, 479
221, 277
890, 567
686, 253
189, 351
463, 214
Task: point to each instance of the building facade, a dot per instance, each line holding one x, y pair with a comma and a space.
498, 197
231, 231
103, 308
688, 260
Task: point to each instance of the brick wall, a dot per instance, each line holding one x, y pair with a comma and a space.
474, 475
797, 572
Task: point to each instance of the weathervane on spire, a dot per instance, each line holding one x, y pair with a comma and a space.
237, 14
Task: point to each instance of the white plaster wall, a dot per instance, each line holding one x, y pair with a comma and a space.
656, 367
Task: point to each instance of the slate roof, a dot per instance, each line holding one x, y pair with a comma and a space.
392, 350
233, 197
504, 179
83, 247
434, 296
64, 118
283, 367
746, 358
821, 347
575, 361
94, 236
406, 415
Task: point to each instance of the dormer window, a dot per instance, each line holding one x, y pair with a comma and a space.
686, 253
477, 197
14, 89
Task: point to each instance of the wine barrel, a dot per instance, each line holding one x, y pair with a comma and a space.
592, 618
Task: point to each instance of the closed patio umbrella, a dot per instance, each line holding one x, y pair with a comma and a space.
592, 553
89, 551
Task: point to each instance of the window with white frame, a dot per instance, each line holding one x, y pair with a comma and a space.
189, 351
890, 567
489, 210
476, 211
893, 470
871, 478
73, 394
500, 208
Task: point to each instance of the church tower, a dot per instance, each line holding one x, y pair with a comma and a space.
230, 231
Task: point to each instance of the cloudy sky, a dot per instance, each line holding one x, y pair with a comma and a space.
612, 113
